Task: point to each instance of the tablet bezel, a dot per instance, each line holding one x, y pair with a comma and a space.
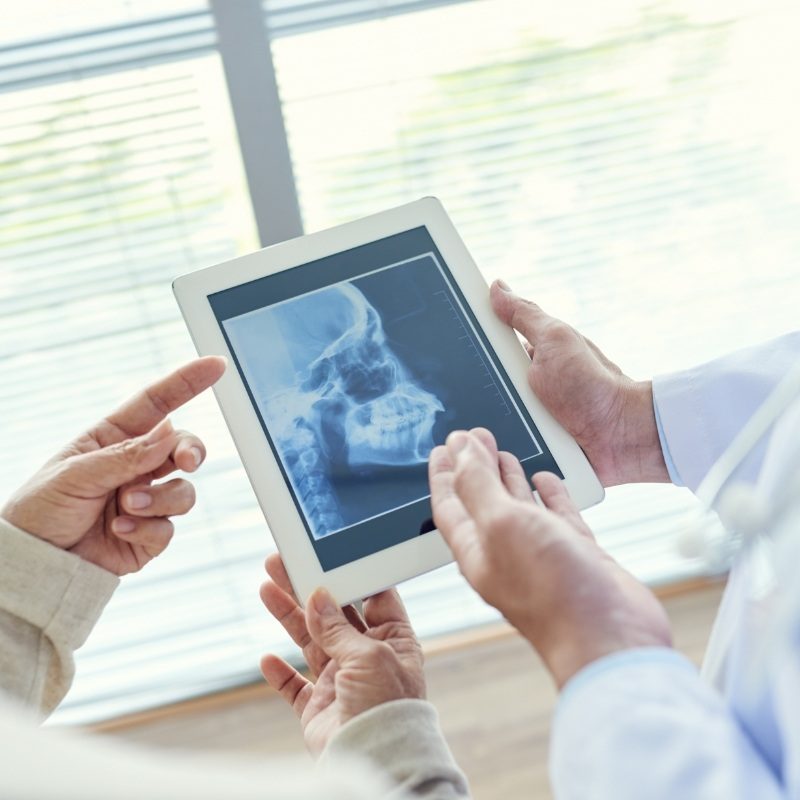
419, 554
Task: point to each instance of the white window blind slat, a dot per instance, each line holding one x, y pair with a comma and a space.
100, 50
292, 17
42, 21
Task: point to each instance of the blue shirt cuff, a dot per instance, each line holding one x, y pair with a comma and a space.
668, 460
623, 659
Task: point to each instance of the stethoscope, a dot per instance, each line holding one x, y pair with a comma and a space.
735, 517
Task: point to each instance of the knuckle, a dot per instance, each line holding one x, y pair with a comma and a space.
160, 534
335, 629
525, 315
189, 495
177, 497
380, 657
521, 318
502, 520
158, 402
132, 451
559, 332
169, 532
460, 480
129, 449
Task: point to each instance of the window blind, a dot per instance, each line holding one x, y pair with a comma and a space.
292, 17
112, 185
623, 165
98, 50
598, 161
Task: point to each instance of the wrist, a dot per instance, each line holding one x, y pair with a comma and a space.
638, 457
14, 514
601, 627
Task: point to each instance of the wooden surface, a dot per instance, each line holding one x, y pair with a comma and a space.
494, 698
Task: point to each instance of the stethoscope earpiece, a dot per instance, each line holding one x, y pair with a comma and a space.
742, 510
704, 537
741, 515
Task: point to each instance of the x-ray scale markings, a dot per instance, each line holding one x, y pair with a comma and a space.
492, 382
432, 255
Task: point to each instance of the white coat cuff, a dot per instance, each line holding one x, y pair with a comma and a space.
700, 410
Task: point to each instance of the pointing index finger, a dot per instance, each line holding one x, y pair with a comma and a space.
147, 408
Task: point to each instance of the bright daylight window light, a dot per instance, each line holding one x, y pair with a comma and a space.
631, 166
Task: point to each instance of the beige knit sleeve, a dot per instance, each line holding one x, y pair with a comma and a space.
49, 602
404, 741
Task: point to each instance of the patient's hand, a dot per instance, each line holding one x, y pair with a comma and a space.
355, 663
97, 497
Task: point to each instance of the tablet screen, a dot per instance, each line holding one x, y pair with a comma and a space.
357, 365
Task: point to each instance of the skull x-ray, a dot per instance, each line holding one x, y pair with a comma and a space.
338, 401
356, 380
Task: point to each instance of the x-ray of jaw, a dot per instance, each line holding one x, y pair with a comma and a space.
334, 396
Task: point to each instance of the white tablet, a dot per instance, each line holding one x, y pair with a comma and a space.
353, 352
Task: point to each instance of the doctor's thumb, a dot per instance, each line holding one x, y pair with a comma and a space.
522, 315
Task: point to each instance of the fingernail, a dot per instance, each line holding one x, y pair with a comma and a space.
457, 441
197, 455
123, 525
139, 500
323, 603
503, 285
161, 431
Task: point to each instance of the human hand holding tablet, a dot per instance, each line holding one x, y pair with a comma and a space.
356, 351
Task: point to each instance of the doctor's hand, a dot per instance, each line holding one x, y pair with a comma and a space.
539, 566
356, 663
98, 497
610, 416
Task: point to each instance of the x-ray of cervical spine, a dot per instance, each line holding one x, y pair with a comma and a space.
334, 395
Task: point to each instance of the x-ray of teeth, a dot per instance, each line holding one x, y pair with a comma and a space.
337, 400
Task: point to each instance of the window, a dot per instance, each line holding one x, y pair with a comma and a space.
631, 166
622, 164
114, 183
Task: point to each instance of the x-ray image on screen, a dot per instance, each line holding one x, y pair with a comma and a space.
358, 381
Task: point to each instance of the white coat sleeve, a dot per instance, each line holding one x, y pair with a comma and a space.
700, 410
642, 724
